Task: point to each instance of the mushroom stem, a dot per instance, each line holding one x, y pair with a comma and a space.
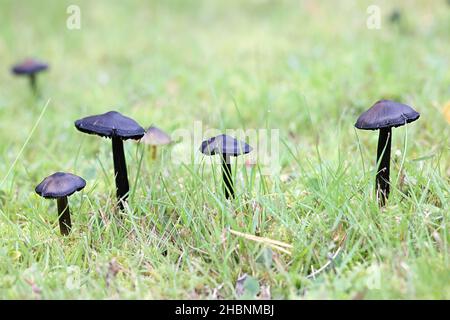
383, 152
33, 84
153, 152
227, 176
120, 171
64, 216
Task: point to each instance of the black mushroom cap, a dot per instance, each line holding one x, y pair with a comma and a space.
385, 114
60, 184
223, 144
111, 124
28, 67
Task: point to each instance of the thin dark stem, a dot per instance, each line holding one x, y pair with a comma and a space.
33, 83
383, 152
64, 216
120, 172
227, 177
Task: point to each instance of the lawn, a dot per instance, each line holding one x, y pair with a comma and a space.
301, 70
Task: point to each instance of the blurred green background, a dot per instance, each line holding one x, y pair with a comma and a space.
308, 68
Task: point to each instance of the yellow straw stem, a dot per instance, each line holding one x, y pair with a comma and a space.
281, 246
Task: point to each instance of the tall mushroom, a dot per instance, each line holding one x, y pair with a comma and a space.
30, 68
119, 128
59, 186
155, 137
383, 116
227, 147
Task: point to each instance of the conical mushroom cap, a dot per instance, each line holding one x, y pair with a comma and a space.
155, 137
111, 124
29, 66
223, 144
60, 184
385, 114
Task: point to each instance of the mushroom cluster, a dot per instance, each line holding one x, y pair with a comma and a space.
61, 185
383, 116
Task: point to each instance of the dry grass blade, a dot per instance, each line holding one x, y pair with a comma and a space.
278, 245
329, 262
279, 248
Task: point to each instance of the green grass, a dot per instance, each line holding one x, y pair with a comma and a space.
307, 68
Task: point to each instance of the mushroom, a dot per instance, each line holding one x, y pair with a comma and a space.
395, 16
30, 68
227, 147
155, 137
59, 186
384, 115
119, 128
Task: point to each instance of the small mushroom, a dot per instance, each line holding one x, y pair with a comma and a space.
59, 186
119, 128
395, 16
155, 137
30, 68
383, 116
227, 147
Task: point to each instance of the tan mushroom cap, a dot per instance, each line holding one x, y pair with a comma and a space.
156, 137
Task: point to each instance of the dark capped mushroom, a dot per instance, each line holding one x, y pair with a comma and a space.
383, 116
155, 137
30, 68
59, 186
119, 128
395, 16
227, 147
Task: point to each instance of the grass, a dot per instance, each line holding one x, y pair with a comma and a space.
307, 68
